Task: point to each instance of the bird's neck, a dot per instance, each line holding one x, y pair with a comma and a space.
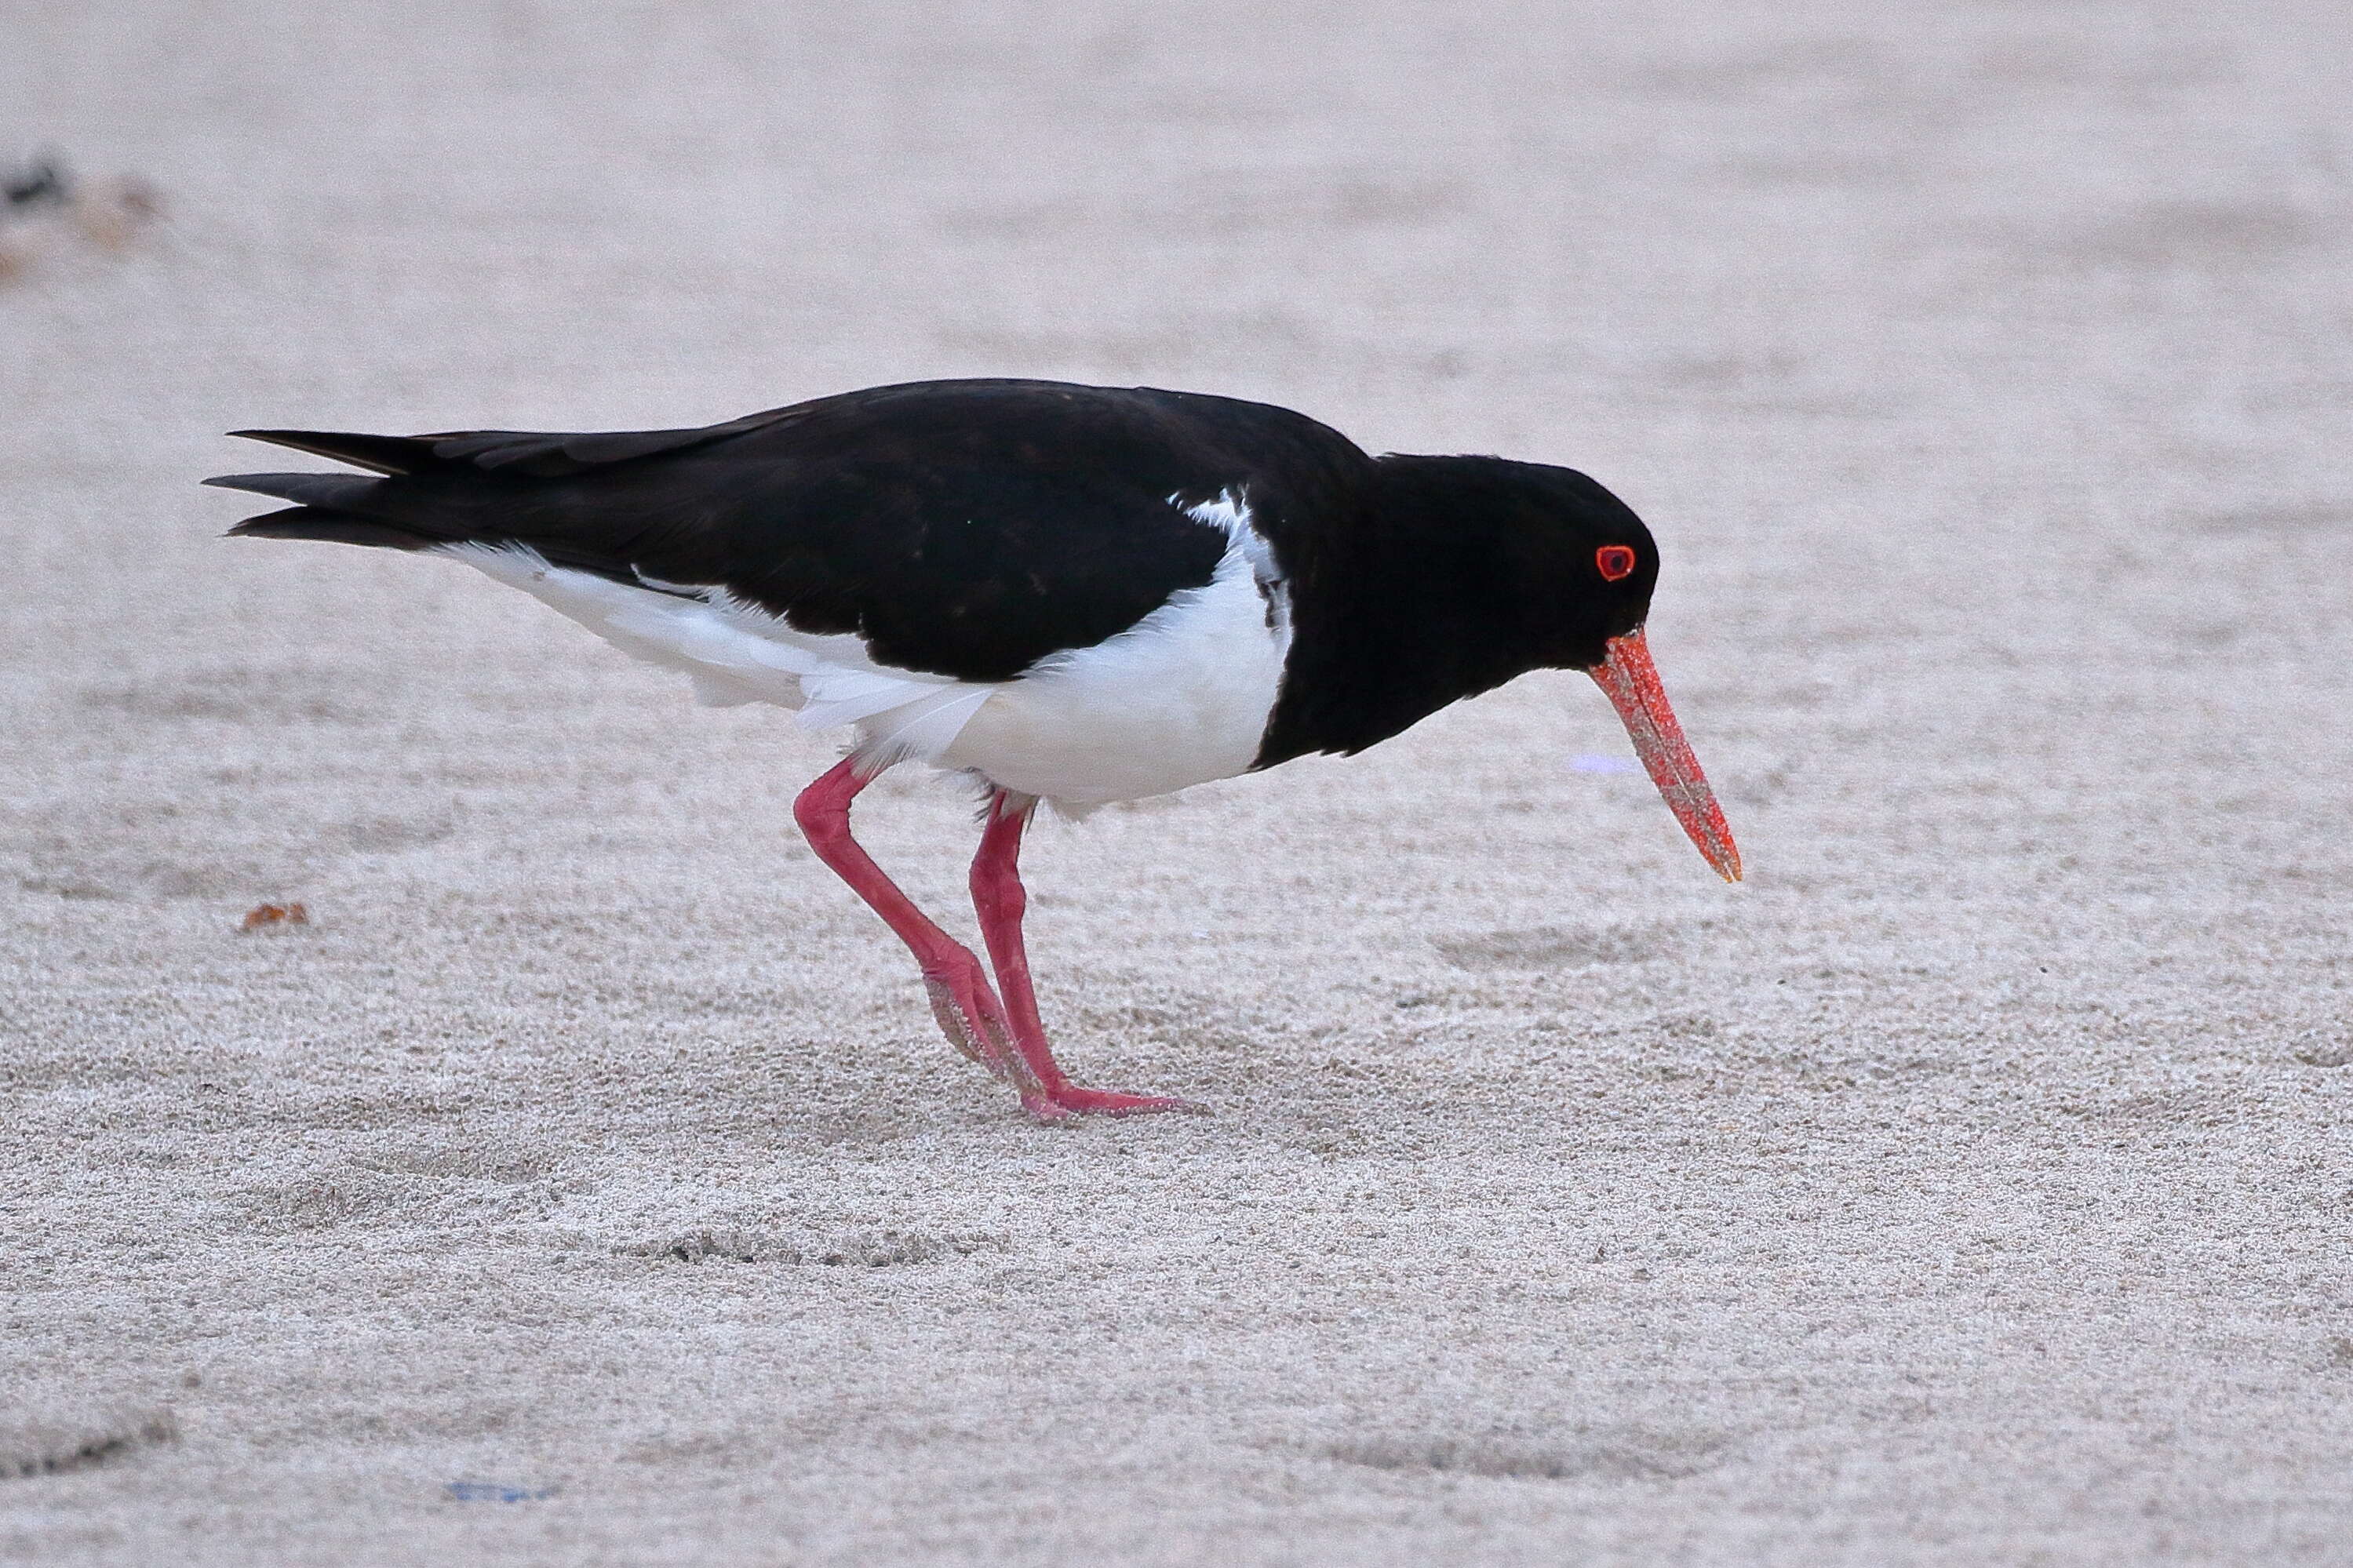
1405, 609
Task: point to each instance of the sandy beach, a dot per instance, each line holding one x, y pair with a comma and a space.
584, 1181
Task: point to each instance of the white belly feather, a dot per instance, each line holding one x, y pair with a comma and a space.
1178, 698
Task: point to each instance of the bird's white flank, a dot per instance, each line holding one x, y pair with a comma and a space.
1178, 698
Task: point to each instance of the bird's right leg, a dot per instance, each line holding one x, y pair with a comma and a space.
962, 1000
999, 897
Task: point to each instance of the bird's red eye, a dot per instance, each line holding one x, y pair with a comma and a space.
1615, 560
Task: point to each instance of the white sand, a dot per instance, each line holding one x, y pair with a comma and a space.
1968, 1187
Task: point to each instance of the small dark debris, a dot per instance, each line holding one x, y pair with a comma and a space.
1669, 1458
494, 1491
1544, 948
34, 1456
38, 182
43, 209
877, 1251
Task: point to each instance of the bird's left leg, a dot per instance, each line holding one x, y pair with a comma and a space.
967, 1011
999, 898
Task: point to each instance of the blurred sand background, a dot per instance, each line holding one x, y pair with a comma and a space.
1972, 1185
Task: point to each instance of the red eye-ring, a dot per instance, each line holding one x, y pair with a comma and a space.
1614, 560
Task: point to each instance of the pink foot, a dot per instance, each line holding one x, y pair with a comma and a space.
1069, 1100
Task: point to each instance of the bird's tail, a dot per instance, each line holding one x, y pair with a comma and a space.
347, 508
322, 514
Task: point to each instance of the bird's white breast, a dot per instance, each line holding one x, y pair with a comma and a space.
1178, 698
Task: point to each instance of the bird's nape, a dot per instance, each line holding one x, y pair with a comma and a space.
1631, 683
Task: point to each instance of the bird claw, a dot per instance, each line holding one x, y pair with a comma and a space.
974, 1023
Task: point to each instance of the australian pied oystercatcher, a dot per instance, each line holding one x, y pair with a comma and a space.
1077, 594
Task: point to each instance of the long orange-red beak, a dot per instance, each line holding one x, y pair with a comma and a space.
1632, 682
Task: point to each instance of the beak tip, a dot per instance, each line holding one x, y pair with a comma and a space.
1631, 683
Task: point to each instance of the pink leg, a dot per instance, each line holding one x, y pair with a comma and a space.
999, 898
968, 1010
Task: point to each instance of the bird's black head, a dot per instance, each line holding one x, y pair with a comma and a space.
1585, 565
1565, 565
1506, 567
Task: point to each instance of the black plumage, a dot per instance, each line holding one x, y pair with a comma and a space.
972, 528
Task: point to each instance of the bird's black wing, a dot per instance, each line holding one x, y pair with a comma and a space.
967, 529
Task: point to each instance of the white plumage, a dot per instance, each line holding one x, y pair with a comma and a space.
1178, 698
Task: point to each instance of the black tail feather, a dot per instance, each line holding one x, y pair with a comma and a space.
335, 507
310, 490
335, 526
383, 454
522, 453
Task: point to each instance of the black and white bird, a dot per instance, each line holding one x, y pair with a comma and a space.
1074, 594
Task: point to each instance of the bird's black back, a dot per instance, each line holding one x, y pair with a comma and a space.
966, 528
